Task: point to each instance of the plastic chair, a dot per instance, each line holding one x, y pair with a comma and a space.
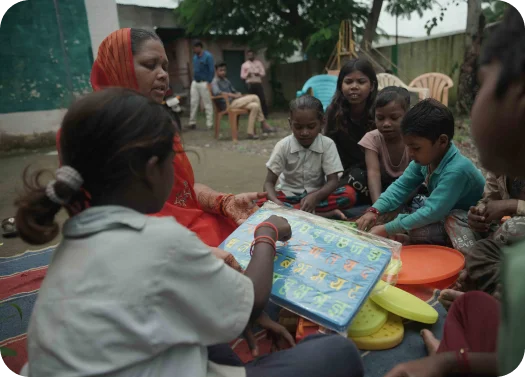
233, 115
437, 83
386, 79
321, 87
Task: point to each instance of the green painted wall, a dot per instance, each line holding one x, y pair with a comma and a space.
33, 73
442, 54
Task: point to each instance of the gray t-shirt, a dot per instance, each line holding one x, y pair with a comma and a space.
132, 295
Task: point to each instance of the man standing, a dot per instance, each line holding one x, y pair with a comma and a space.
252, 71
203, 72
221, 85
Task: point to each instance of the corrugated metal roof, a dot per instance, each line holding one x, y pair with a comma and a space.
170, 4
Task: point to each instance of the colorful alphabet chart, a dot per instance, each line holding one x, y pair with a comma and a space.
324, 273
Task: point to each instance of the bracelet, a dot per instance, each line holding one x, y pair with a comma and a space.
374, 211
268, 225
264, 239
463, 362
222, 200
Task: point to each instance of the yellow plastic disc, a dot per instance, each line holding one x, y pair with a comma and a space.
368, 320
389, 336
403, 304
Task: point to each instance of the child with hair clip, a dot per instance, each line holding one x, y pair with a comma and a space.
349, 118
308, 164
128, 294
386, 154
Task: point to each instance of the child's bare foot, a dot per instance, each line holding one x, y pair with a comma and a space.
448, 296
336, 213
431, 342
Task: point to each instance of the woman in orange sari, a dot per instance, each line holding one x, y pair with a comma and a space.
136, 59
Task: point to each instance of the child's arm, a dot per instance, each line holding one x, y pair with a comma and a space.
269, 187
310, 201
399, 191
437, 206
394, 196
373, 169
260, 269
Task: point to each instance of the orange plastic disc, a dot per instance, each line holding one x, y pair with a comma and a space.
423, 264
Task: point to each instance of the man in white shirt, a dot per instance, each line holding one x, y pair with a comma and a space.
252, 71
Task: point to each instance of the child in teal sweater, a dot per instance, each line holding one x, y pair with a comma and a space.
452, 180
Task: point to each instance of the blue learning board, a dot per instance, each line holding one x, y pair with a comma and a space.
324, 273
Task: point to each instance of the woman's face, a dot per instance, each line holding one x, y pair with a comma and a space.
151, 69
356, 87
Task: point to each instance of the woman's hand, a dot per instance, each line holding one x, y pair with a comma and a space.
439, 365
227, 257
282, 225
367, 221
241, 206
281, 338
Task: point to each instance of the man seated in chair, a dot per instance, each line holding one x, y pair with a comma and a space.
221, 85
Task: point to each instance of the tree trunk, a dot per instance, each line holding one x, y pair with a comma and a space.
371, 24
468, 85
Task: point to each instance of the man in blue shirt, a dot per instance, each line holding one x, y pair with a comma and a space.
203, 72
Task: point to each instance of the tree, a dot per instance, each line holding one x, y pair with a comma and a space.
467, 85
371, 24
277, 25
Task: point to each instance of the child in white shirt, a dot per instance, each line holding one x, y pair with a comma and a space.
308, 164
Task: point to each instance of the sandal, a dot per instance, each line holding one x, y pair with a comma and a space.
9, 228
253, 137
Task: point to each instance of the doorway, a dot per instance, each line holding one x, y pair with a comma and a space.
234, 59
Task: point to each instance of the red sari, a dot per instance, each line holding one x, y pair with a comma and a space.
114, 66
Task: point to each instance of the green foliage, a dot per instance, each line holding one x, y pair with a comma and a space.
495, 10
277, 25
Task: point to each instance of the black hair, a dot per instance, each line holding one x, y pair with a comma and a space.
107, 137
307, 102
220, 65
139, 36
506, 45
393, 93
197, 43
429, 119
338, 113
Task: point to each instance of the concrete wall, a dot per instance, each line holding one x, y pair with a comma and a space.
41, 72
442, 54
145, 17
102, 20
290, 77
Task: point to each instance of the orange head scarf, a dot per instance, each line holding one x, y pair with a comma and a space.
114, 64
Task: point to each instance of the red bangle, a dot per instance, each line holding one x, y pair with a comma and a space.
222, 200
270, 225
373, 210
463, 362
264, 239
